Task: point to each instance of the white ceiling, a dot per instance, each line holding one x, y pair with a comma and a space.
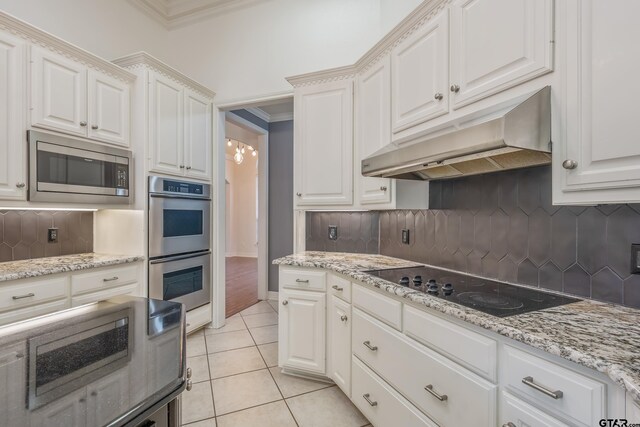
174, 13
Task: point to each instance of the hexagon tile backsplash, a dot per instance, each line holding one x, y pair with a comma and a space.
23, 234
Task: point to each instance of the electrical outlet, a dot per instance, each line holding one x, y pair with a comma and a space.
635, 259
405, 236
333, 232
52, 235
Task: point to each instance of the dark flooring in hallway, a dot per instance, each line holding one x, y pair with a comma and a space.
241, 284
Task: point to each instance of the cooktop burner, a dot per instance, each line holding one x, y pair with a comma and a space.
491, 297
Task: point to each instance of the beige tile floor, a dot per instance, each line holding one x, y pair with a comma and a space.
237, 382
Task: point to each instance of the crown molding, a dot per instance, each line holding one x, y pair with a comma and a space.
36, 36
259, 113
324, 76
143, 59
282, 117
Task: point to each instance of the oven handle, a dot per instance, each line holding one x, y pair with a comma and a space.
176, 196
177, 258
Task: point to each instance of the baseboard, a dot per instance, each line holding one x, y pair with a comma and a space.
273, 295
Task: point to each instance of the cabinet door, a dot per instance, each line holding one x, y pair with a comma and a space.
498, 44
109, 109
108, 398
602, 105
339, 324
323, 145
161, 365
373, 128
301, 331
197, 135
68, 411
420, 75
58, 92
12, 138
13, 372
166, 121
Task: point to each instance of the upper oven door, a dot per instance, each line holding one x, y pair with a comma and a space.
178, 225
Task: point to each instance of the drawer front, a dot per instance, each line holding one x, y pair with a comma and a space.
385, 406
131, 289
297, 278
519, 413
103, 279
472, 350
33, 311
423, 376
583, 399
379, 306
339, 287
32, 292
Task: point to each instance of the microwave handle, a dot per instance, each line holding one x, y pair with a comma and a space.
177, 258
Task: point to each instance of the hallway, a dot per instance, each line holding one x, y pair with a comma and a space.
241, 284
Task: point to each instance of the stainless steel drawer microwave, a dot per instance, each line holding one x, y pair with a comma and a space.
65, 169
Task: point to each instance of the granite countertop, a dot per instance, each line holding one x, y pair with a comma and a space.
14, 270
600, 336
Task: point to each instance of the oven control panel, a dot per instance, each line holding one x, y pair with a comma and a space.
183, 187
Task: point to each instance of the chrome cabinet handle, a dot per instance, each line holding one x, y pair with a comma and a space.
369, 346
383, 188
83, 123
508, 424
20, 185
189, 373
337, 288
94, 127
111, 279
285, 302
557, 394
438, 96
367, 397
569, 164
344, 318
189, 385
302, 281
432, 392
455, 88
29, 295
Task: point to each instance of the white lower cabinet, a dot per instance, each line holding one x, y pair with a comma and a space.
339, 345
514, 411
13, 370
68, 412
107, 397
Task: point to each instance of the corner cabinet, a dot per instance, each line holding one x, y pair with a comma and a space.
323, 143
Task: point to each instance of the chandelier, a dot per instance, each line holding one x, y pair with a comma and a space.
241, 149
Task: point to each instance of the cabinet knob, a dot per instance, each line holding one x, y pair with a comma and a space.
508, 424
569, 164
188, 167
94, 393
438, 96
94, 127
189, 385
20, 185
344, 318
83, 123
455, 88
299, 194
337, 288
383, 188
181, 166
285, 302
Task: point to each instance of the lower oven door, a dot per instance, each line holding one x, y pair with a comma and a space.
183, 278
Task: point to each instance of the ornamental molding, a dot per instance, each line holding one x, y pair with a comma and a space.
324, 76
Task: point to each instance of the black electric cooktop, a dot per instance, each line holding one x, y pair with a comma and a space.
488, 296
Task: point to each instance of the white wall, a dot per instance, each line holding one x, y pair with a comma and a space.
107, 28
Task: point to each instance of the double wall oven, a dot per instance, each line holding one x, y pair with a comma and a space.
179, 241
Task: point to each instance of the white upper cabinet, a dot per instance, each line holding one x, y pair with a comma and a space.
12, 155
197, 135
109, 109
600, 160
497, 44
58, 92
166, 122
373, 106
419, 75
323, 144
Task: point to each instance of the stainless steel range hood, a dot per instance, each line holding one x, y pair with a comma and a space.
519, 137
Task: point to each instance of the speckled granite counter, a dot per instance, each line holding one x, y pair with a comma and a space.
15, 270
604, 337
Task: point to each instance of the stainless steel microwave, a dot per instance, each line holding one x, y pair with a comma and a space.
65, 169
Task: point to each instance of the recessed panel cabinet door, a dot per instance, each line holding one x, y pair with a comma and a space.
68, 411
58, 92
166, 122
301, 332
323, 144
419, 75
339, 322
197, 136
108, 398
373, 106
600, 159
498, 44
12, 136
109, 109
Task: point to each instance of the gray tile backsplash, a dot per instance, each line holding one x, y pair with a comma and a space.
357, 232
23, 234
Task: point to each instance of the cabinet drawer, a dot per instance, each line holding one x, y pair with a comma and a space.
131, 289
103, 279
385, 406
423, 376
33, 311
473, 350
519, 413
582, 398
339, 287
33, 292
296, 278
379, 306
